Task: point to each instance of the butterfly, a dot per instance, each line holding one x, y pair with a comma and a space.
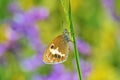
57, 50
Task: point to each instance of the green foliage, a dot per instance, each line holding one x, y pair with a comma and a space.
4, 12
45, 69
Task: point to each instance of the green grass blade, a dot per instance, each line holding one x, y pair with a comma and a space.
69, 18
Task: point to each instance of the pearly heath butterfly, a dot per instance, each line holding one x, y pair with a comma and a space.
57, 50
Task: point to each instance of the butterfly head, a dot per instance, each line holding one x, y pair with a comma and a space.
66, 35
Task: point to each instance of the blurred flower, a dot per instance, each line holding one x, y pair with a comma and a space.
11, 35
110, 8
83, 47
85, 67
14, 7
64, 74
60, 70
37, 14
22, 25
37, 77
3, 61
57, 70
30, 64
108, 4
101, 72
3, 48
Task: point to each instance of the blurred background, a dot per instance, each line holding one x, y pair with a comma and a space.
28, 26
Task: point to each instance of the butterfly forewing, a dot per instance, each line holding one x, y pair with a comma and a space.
57, 51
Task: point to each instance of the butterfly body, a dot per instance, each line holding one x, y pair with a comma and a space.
57, 51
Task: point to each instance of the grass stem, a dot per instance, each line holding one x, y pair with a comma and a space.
69, 18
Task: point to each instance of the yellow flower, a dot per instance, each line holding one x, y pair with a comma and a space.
2, 33
107, 38
26, 4
102, 72
75, 4
18, 77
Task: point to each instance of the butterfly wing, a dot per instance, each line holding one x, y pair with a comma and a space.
57, 51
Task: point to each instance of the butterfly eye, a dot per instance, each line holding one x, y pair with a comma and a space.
52, 46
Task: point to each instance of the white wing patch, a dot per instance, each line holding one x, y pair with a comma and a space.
55, 51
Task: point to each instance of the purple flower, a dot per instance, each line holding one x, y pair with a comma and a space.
59, 72
83, 47
85, 67
3, 61
22, 25
110, 9
32, 63
3, 48
37, 77
36, 14
11, 35
14, 7
108, 4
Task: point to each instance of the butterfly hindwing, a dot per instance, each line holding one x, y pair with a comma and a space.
57, 51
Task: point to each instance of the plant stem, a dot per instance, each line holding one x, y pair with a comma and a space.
74, 43
69, 19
